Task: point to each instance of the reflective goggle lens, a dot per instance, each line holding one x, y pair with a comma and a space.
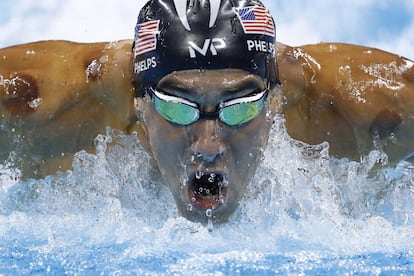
241, 113
183, 112
176, 112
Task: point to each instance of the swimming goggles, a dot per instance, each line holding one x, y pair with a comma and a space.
232, 112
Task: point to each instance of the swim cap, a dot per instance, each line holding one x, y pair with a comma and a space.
174, 35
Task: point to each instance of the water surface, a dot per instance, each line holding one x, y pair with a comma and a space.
304, 212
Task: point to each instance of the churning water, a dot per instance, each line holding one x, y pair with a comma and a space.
304, 212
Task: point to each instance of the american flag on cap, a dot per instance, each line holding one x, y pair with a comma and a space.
146, 37
256, 20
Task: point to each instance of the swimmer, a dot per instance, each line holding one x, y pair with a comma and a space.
201, 88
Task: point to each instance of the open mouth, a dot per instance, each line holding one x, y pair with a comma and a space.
207, 190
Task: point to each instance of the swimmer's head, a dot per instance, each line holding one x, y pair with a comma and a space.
176, 35
206, 86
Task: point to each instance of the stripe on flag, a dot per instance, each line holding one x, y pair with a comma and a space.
146, 37
256, 20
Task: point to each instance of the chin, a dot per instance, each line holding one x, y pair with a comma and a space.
218, 216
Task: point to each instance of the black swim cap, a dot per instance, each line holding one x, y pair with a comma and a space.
174, 35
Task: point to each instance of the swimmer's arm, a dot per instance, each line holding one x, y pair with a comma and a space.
347, 94
61, 74
59, 95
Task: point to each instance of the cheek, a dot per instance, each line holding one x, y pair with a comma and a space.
167, 141
257, 131
249, 141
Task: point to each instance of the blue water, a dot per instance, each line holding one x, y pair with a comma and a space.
304, 213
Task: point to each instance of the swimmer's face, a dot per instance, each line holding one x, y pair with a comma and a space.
208, 162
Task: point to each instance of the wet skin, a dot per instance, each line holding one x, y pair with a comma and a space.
340, 93
208, 164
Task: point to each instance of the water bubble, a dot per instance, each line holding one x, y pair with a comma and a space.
209, 214
190, 207
212, 178
183, 182
199, 174
35, 103
210, 225
224, 183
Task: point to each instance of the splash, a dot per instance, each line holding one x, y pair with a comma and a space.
303, 211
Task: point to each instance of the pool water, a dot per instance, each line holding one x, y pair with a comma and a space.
304, 213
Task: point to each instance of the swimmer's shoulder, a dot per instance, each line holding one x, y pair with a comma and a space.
361, 82
59, 95
47, 77
347, 94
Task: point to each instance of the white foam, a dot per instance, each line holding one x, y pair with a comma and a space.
301, 200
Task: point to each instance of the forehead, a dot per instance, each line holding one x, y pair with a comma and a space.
223, 83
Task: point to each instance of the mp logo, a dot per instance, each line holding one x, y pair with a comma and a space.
209, 44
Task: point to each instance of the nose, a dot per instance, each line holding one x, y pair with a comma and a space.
207, 144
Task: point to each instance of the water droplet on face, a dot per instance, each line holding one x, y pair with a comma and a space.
224, 183
209, 214
199, 174
183, 182
210, 225
212, 178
